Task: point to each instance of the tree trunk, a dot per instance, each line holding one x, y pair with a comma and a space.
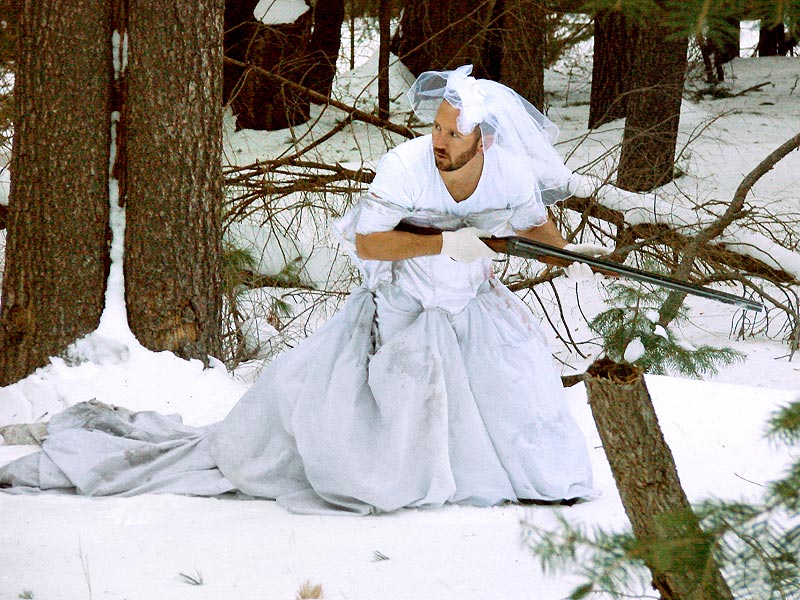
772, 40
384, 26
323, 49
647, 159
614, 48
56, 257
524, 49
444, 35
727, 48
257, 102
648, 484
173, 173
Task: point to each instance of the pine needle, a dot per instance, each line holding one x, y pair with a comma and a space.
195, 579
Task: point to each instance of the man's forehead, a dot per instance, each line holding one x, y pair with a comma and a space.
447, 115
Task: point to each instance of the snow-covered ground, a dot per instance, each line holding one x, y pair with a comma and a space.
54, 546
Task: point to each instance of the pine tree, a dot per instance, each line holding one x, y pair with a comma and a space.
631, 333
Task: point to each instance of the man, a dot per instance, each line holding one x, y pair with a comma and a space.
433, 384
459, 159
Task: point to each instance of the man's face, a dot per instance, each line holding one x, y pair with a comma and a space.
451, 148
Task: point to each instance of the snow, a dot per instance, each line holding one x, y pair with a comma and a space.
634, 350
5, 185
55, 546
279, 12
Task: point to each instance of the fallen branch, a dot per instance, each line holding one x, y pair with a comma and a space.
752, 88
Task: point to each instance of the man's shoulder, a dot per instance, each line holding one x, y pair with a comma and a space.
411, 151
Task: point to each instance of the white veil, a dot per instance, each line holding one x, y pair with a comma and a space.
506, 120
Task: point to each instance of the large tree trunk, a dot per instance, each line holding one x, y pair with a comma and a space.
648, 484
173, 111
56, 257
258, 102
658, 71
444, 35
614, 47
524, 50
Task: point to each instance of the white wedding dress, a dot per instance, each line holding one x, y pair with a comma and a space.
433, 384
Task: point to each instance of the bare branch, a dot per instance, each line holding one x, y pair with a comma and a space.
734, 211
322, 99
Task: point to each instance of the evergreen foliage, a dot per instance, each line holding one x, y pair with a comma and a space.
756, 544
704, 17
631, 333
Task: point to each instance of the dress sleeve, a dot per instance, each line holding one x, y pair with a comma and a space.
390, 197
526, 204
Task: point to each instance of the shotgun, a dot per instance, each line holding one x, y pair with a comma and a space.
525, 248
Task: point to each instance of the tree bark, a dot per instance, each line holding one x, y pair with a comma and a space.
614, 47
257, 102
56, 257
323, 50
173, 198
648, 484
384, 25
772, 40
727, 48
658, 71
524, 50
444, 35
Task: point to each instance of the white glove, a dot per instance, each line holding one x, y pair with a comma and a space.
465, 245
578, 271
593, 250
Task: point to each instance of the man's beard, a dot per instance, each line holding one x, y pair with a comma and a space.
443, 164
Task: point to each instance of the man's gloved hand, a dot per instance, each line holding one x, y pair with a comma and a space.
593, 250
578, 271
465, 245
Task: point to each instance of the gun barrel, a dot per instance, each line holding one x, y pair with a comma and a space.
525, 248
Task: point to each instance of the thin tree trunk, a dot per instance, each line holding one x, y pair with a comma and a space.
173, 193
648, 484
384, 22
56, 258
647, 159
728, 46
524, 50
614, 47
326, 41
